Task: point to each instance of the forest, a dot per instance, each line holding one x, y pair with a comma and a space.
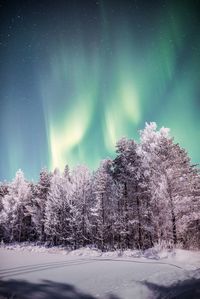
149, 193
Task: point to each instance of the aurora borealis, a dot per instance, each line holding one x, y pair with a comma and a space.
78, 75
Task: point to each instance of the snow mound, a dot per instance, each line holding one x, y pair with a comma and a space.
157, 254
151, 253
168, 278
85, 251
32, 247
185, 259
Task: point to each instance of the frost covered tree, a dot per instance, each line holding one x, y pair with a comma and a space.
58, 210
14, 216
171, 178
133, 205
38, 203
3, 192
122, 176
147, 149
176, 171
104, 208
81, 206
188, 216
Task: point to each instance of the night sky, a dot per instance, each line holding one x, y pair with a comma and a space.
75, 76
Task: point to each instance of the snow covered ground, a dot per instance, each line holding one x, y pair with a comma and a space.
38, 272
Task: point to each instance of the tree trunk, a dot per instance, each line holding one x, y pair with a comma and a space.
103, 222
139, 219
139, 223
126, 217
174, 231
174, 225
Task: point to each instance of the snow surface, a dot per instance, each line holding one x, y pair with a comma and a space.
75, 274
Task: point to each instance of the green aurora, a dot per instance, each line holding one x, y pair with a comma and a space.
97, 71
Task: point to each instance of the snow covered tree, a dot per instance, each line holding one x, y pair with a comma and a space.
158, 205
104, 208
188, 218
171, 179
3, 192
81, 206
122, 176
57, 210
14, 216
176, 170
129, 173
38, 203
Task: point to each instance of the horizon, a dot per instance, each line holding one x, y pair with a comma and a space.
93, 170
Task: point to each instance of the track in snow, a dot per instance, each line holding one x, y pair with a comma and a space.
41, 274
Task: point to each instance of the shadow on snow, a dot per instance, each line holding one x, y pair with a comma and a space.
20, 289
187, 289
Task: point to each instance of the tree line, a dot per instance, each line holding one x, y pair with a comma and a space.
150, 192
